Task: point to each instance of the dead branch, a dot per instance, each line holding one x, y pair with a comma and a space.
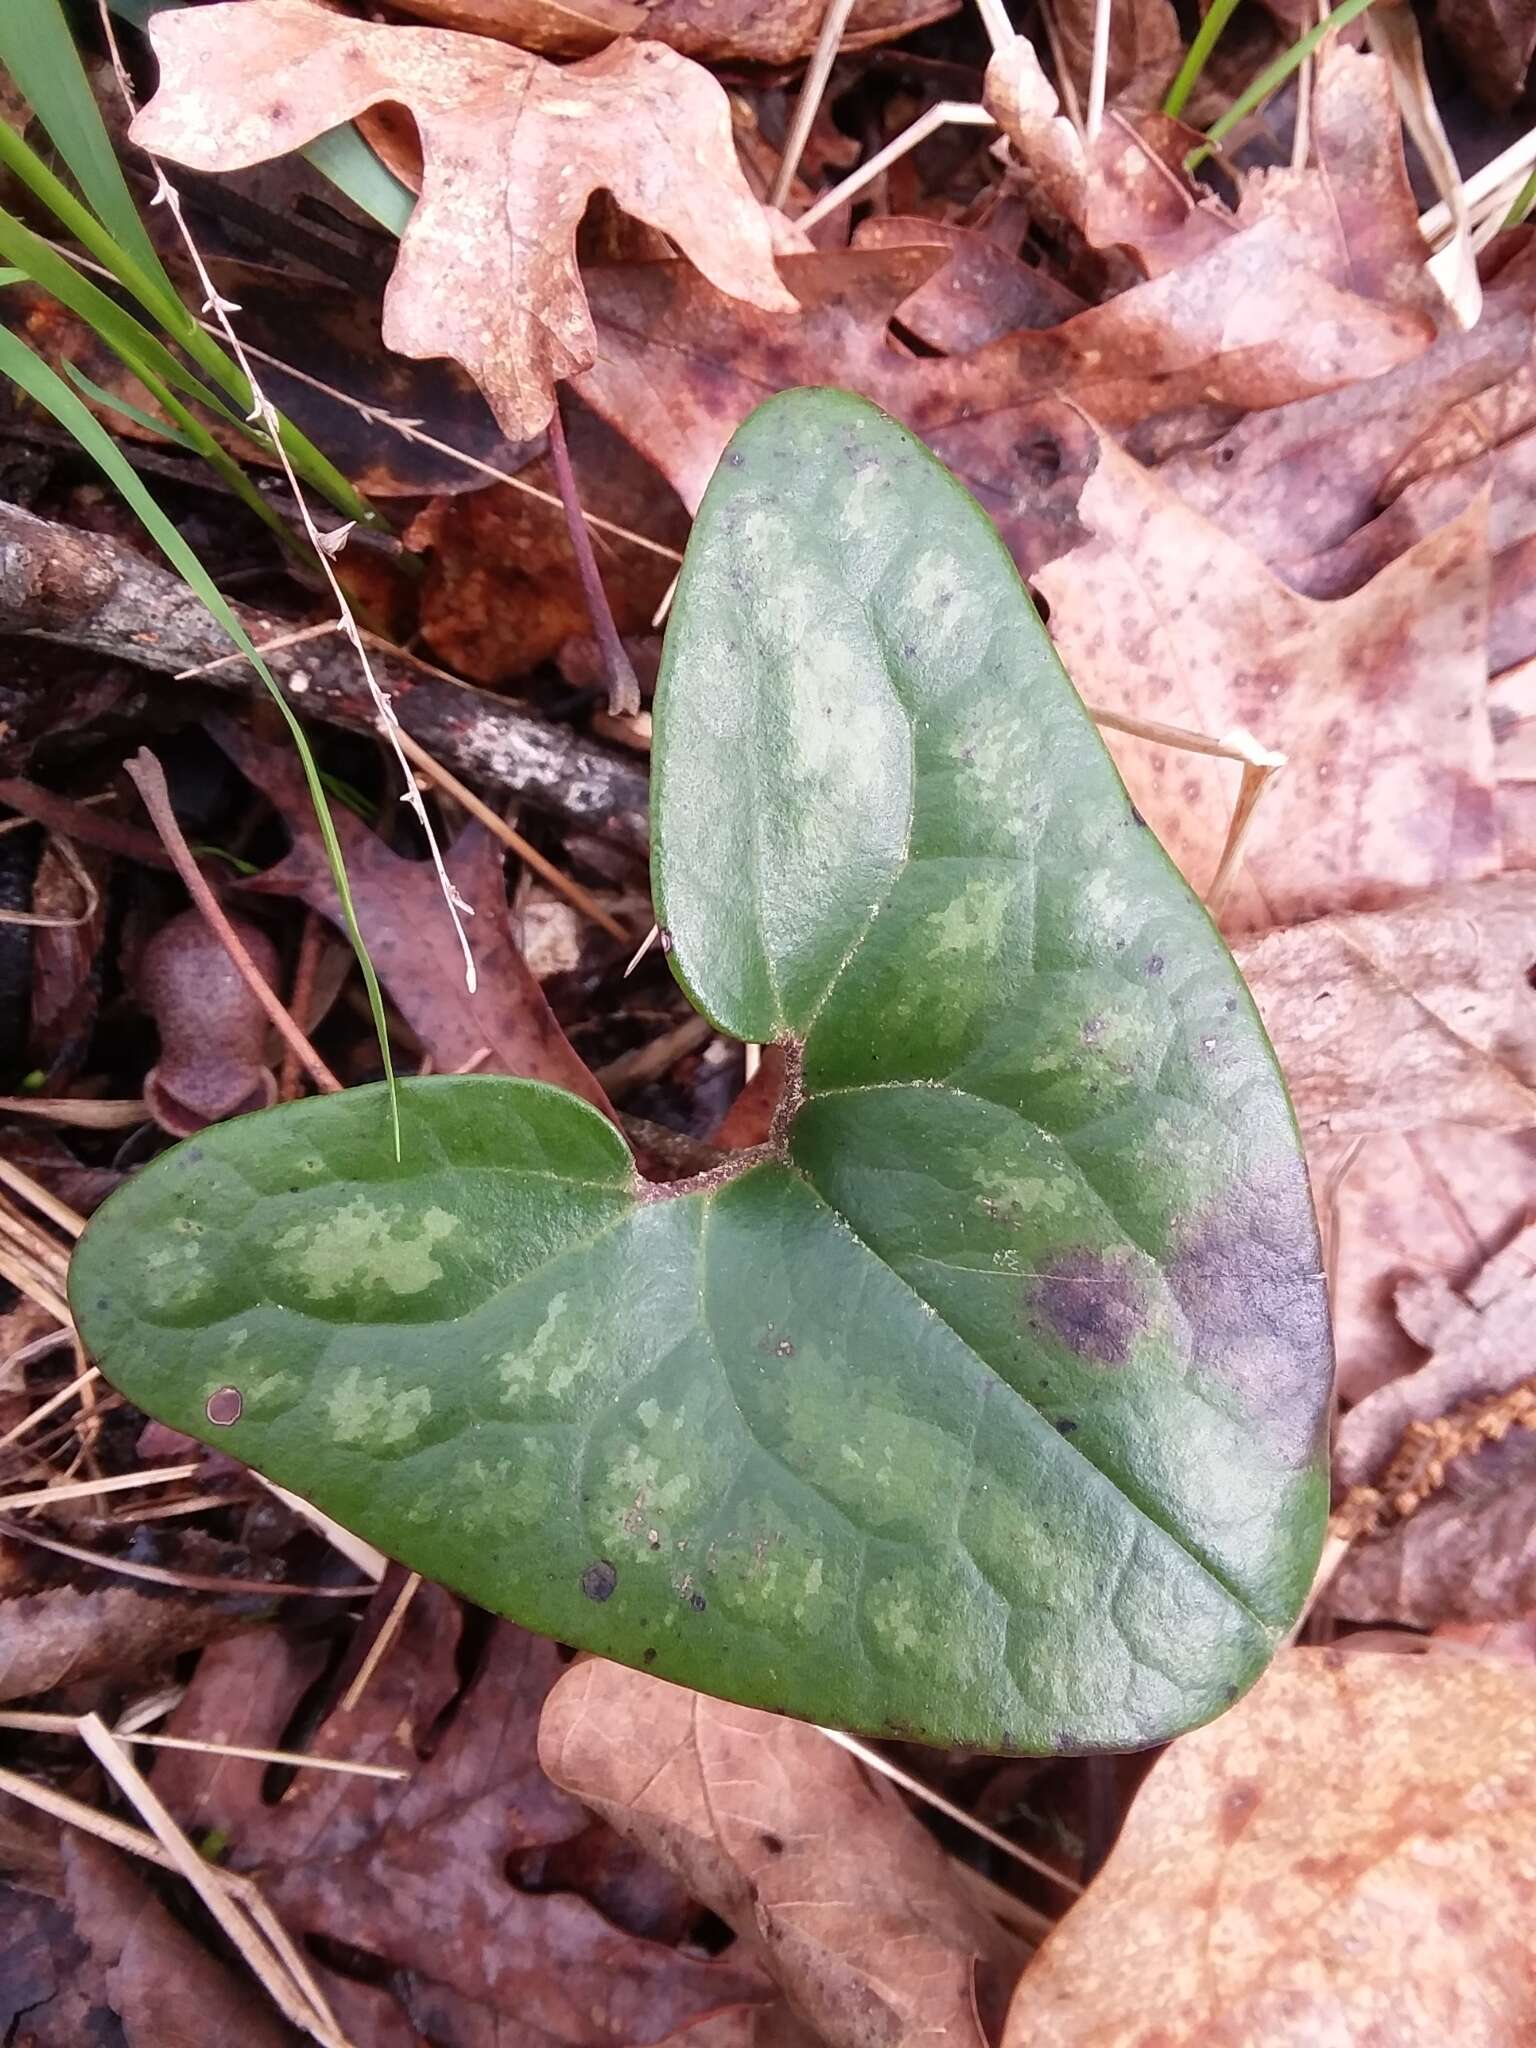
87, 591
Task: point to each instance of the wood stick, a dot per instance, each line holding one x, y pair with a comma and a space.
85, 590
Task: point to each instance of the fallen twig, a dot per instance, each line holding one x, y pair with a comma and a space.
85, 590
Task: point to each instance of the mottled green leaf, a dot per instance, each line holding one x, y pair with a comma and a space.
986, 1404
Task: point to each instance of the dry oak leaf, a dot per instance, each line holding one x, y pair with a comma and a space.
1387, 1020
1122, 187
1344, 1858
513, 149
1435, 1201
1379, 701
1145, 49
817, 1865
447, 1878
1254, 322
1469, 1552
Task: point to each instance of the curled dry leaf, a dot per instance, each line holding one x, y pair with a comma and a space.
820, 1866
406, 925
513, 149
1378, 701
1343, 1858
1468, 1553
213, 1030
1126, 187
1388, 1020
1436, 1201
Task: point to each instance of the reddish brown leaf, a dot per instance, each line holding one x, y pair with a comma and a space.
1341, 1859
1494, 40
422, 1875
1379, 701
680, 365
1388, 1020
502, 593
980, 291
166, 1989
514, 148
213, 1029
848, 1899
405, 922
779, 31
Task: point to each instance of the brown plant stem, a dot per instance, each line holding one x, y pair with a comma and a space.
623, 684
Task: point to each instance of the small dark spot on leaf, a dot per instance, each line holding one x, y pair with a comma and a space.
1136, 817
1066, 1424
735, 458
1040, 458
697, 1602
599, 1580
649, 1656
1091, 1302
1155, 963
1229, 1692
774, 1844
224, 1406
278, 111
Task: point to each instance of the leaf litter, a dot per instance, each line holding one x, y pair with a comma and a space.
1267, 486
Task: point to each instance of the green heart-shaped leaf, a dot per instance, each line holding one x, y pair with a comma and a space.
986, 1406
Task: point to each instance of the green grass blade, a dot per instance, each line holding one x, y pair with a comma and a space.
1197, 56
109, 401
164, 306
1525, 199
1273, 76
344, 157
38, 50
28, 370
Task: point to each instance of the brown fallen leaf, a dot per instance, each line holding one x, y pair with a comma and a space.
1450, 1448
555, 28
1248, 324
428, 1877
410, 935
514, 148
1494, 40
1343, 1858
1379, 701
1299, 480
1388, 1020
1145, 49
1125, 188
119, 1628
1476, 1335
502, 592
847, 1898
51, 1985
1436, 1201
981, 291
164, 1987
750, 32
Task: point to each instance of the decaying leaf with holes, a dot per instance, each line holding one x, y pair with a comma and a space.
1379, 701
513, 148
1441, 1463
1343, 1859
986, 1402
819, 1866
